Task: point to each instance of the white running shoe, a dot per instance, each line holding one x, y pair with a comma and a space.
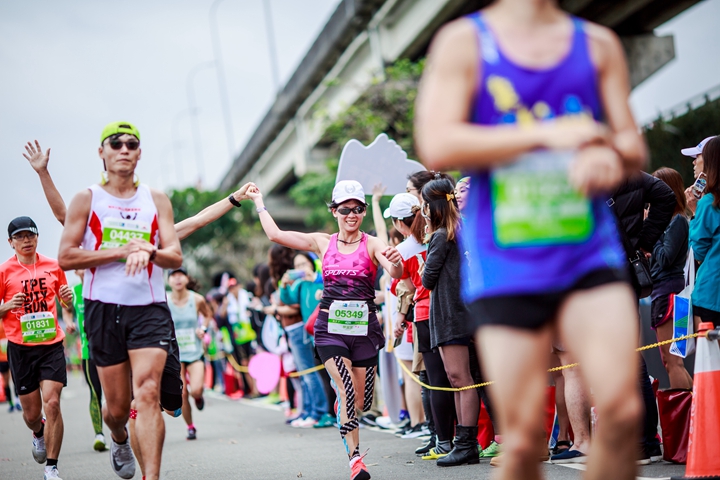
122, 459
38, 451
307, 423
51, 473
99, 444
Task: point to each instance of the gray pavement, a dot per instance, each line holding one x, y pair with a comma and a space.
241, 440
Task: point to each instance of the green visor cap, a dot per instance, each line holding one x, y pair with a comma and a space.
119, 127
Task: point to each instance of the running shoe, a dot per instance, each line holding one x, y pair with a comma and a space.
650, 454
192, 433
418, 430
325, 421
11, 408
199, 402
122, 459
308, 422
51, 473
38, 451
18, 407
402, 430
493, 450
384, 422
369, 420
99, 445
358, 470
569, 456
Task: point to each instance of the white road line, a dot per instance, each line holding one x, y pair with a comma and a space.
579, 466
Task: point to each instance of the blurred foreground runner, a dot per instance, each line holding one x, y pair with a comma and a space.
514, 95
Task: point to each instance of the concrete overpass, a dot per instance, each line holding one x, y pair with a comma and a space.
362, 37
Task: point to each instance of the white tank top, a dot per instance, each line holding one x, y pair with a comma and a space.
111, 223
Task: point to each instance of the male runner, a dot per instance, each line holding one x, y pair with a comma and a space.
514, 94
127, 237
29, 284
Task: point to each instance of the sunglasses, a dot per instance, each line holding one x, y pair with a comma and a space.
118, 144
347, 210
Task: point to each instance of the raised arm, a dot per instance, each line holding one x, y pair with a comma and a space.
208, 215
444, 137
309, 242
39, 162
378, 219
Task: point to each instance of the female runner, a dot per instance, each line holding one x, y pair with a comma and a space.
348, 335
185, 307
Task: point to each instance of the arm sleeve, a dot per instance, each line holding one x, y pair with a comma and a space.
290, 295
673, 244
702, 229
662, 205
437, 251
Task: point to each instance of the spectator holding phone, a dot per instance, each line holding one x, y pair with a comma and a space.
695, 191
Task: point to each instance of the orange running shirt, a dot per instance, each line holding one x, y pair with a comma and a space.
40, 283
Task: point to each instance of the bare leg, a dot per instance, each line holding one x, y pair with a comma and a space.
134, 442
186, 408
679, 377
600, 329
562, 413
578, 404
115, 381
196, 371
518, 360
54, 427
147, 366
456, 359
32, 410
413, 397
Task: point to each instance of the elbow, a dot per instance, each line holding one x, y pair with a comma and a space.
432, 149
64, 261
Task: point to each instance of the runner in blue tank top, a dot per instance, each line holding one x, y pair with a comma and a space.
515, 95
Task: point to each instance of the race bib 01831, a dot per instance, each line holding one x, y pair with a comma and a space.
38, 327
348, 318
534, 203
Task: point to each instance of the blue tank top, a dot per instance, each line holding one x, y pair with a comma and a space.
509, 250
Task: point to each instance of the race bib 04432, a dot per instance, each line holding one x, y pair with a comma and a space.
348, 318
117, 232
534, 203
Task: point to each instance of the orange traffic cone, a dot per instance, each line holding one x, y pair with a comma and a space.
702, 460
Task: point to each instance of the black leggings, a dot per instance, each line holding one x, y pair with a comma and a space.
442, 404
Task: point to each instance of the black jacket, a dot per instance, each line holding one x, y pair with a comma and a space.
628, 203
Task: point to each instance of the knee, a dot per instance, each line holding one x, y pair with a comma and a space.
621, 413
52, 407
148, 391
522, 446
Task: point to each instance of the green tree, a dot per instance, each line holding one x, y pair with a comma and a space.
388, 106
232, 242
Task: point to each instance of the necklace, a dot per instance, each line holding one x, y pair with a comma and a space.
350, 243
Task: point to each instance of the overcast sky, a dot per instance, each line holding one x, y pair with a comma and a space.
68, 68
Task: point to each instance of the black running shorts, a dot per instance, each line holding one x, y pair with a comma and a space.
114, 329
531, 312
4, 367
171, 384
31, 365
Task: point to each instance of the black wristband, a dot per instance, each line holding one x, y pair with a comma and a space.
233, 201
153, 255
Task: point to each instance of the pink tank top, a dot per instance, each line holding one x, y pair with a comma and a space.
348, 276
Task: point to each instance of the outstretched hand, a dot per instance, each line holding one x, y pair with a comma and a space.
378, 191
253, 192
241, 193
35, 156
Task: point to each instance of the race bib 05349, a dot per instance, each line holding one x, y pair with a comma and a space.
348, 318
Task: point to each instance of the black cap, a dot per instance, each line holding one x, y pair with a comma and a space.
179, 270
22, 224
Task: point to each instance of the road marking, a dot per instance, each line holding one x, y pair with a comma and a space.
579, 466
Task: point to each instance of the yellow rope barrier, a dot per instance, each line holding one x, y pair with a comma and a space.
243, 369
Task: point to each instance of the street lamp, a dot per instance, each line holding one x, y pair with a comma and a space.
270, 30
192, 107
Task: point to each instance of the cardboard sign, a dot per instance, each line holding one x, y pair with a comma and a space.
383, 161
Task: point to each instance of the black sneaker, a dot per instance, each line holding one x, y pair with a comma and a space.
199, 403
649, 454
192, 433
403, 430
369, 420
417, 431
425, 449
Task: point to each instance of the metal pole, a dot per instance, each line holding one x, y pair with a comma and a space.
192, 107
222, 86
269, 29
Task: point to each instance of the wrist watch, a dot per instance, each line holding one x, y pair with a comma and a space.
233, 201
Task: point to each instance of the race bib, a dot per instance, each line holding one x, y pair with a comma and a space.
534, 203
348, 318
38, 327
186, 340
117, 232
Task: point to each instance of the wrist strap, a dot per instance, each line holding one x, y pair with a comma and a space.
233, 201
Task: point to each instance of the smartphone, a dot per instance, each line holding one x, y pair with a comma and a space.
699, 186
295, 274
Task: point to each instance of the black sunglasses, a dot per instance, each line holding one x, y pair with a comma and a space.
118, 144
346, 210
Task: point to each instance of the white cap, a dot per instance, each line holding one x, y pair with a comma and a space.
695, 151
348, 190
401, 206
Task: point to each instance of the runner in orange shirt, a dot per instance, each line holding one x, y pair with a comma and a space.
29, 283
5, 372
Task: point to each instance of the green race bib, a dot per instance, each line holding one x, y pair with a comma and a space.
534, 204
38, 327
348, 318
117, 232
187, 340
3, 346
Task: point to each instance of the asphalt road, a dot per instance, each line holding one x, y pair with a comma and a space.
241, 440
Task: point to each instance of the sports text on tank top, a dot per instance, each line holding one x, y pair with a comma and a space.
348, 276
112, 223
185, 320
526, 230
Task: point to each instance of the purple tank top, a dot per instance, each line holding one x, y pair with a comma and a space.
348, 276
512, 94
